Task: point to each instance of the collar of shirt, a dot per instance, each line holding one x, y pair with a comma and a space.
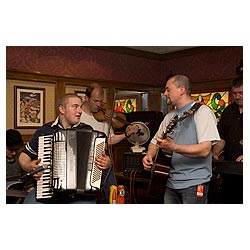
180, 111
57, 123
235, 106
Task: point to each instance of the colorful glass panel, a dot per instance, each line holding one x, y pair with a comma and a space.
125, 105
217, 101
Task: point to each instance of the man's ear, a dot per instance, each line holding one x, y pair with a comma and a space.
182, 90
61, 109
85, 99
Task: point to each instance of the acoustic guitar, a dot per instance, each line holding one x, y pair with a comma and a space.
162, 161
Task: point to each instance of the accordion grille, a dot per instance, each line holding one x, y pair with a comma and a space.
96, 172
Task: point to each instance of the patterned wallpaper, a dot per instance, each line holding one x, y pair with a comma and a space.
98, 64
84, 62
209, 65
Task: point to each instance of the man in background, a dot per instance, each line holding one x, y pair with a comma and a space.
92, 104
230, 147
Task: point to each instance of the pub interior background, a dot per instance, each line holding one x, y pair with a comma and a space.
125, 73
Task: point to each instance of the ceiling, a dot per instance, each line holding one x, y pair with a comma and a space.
160, 49
150, 52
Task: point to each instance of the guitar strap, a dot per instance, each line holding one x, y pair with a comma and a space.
195, 107
173, 123
191, 111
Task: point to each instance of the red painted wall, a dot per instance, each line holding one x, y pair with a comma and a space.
97, 64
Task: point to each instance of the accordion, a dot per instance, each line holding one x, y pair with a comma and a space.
69, 156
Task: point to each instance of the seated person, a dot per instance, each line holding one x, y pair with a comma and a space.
14, 171
69, 109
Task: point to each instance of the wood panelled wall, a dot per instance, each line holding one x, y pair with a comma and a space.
61, 82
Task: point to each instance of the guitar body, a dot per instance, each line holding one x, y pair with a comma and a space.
159, 176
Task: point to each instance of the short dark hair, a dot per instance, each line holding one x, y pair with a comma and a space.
237, 82
182, 80
14, 139
62, 101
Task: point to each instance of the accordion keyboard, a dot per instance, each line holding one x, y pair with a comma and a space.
44, 184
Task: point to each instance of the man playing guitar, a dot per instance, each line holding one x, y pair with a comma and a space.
189, 145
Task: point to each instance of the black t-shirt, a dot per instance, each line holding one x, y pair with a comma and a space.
231, 130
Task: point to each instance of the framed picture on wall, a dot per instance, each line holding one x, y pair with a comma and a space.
29, 107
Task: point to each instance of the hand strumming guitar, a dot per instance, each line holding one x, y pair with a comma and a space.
167, 145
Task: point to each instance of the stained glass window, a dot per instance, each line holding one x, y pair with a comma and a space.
125, 105
217, 101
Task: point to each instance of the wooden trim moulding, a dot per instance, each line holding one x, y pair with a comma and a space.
213, 84
76, 81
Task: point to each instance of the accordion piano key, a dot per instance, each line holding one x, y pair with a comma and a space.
44, 153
